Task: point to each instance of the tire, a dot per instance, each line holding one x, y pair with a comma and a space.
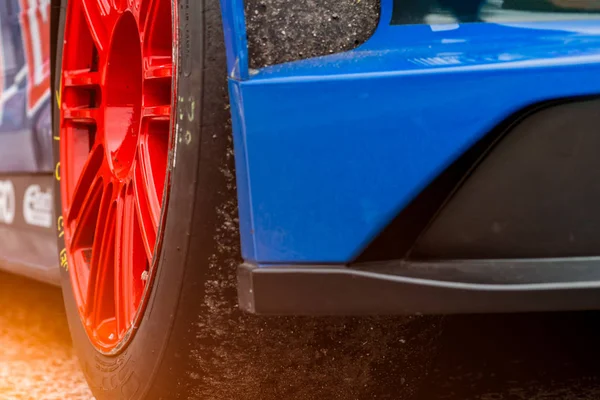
192, 342
42, 140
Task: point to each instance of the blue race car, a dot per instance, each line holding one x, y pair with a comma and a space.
337, 167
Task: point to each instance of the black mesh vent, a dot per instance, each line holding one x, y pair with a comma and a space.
288, 30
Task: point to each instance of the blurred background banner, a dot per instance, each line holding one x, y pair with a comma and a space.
25, 121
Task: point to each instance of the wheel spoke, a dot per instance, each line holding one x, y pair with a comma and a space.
83, 232
148, 13
159, 113
124, 265
100, 305
140, 10
86, 116
157, 60
100, 19
147, 204
86, 195
159, 68
82, 94
81, 78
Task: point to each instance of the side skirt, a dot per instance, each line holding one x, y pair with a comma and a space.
403, 287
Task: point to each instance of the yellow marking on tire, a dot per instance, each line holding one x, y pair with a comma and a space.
64, 262
60, 226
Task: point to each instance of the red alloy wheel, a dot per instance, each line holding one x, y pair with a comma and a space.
115, 137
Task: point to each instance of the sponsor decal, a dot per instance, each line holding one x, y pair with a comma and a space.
37, 206
7, 202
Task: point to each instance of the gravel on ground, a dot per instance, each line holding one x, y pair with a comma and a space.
37, 361
549, 356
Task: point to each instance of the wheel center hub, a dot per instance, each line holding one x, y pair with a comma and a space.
123, 91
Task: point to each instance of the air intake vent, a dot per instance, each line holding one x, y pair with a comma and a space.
283, 30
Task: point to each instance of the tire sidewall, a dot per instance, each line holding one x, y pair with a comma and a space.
130, 374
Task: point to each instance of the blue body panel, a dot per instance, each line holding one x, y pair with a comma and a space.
329, 150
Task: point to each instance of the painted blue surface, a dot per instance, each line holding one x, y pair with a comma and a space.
234, 30
329, 150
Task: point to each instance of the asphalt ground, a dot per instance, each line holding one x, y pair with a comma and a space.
488, 357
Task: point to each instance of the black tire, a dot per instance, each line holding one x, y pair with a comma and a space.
193, 342
42, 140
